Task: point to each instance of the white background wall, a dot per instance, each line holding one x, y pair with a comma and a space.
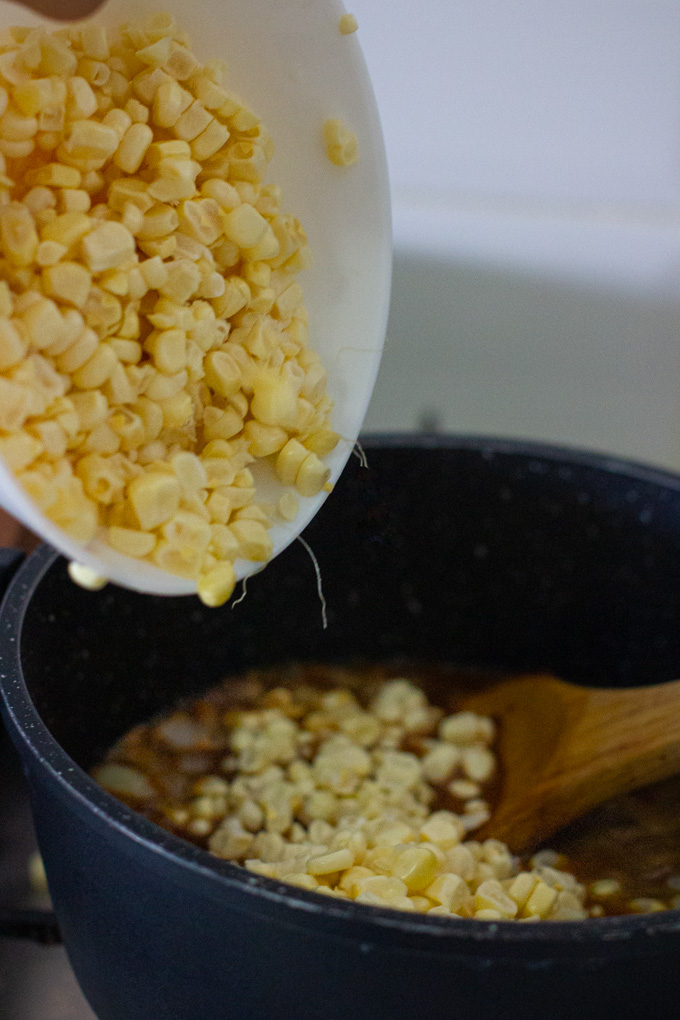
534, 152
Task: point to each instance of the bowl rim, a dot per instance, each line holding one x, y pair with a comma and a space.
606, 935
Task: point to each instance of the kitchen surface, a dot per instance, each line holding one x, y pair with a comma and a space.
535, 166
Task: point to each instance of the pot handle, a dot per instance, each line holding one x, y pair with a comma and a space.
38, 925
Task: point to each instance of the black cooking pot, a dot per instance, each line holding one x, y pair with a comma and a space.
497, 554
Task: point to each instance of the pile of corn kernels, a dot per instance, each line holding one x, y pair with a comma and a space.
343, 800
153, 339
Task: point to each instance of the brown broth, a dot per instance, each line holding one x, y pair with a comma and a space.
634, 838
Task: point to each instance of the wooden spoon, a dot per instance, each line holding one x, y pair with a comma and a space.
563, 749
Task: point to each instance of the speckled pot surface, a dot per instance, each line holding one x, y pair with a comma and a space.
468, 551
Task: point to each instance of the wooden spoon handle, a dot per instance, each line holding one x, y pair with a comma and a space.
564, 749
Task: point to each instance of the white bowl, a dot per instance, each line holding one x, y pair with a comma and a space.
292, 65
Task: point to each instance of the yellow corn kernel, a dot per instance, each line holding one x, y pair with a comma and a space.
178, 170
52, 437
41, 490
201, 220
91, 407
253, 540
127, 351
289, 461
312, 476
188, 532
68, 228
242, 119
157, 53
57, 57
94, 42
222, 373
102, 479
152, 417
224, 193
162, 387
154, 271
222, 543
185, 562
342, 147
326, 864
168, 349
39, 198
172, 190
116, 281
192, 122
77, 353
132, 149
119, 390
216, 586
56, 175
219, 507
288, 506
104, 102
449, 891
15, 405
131, 542
521, 888
416, 867
159, 152
177, 410
169, 103
75, 200
16, 150
96, 370
212, 138
157, 25
20, 450
119, 120
158, 222
74, 513
98, 73
126, 191
263, 440
184, 279
321, 442
86, 577
16, 127
13, 346
101, 439
189, 471
219, 424
347, 24
32, 96
154, 498
42, 323
182, 63
147, 82
107, 246
88, 143
18, 236
244, 226
540, 901
274, 400
81, 101
490, 895
67, 281
137, 112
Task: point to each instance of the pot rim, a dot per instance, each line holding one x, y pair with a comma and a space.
28, 729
